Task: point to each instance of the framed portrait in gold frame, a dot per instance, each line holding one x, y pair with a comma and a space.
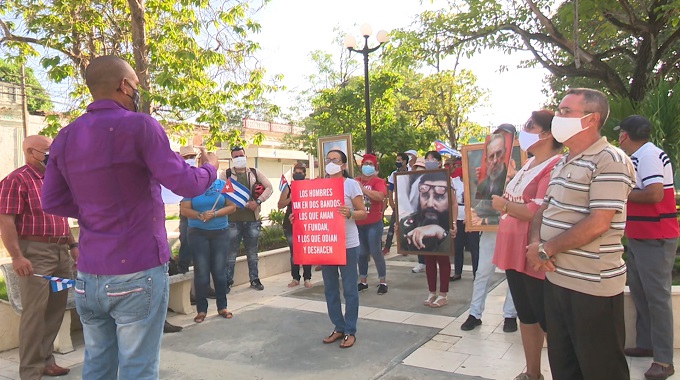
480, 178
339, 142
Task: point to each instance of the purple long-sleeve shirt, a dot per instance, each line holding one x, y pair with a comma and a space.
104, 170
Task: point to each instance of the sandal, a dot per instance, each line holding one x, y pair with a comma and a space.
200, 317
430, 299
335, 335
226, 314
346, 342
294, 283
439, 302
308, 284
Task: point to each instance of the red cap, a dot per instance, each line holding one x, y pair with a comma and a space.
369, 158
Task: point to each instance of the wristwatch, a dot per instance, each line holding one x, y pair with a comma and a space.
259, 202
542, 254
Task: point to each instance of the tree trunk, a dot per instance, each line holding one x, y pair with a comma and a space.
140, 50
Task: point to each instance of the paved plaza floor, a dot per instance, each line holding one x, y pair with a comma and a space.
277, 333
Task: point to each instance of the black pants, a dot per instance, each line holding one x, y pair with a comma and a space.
390, 231
586, 335
469, 240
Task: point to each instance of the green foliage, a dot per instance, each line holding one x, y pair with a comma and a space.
172, 217
3, 290
619, 46
37, 98
198, 53
276, 217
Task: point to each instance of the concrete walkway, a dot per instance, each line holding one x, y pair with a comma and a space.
276, 333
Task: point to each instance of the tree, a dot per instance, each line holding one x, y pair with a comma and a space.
340, 110
445, 98
193, 58
622, 46
37, 98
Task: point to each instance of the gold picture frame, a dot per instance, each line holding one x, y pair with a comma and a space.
479, 215
341, 142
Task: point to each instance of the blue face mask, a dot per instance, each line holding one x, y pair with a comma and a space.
368, 170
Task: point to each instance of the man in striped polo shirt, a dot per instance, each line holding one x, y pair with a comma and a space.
576, 238
652, 232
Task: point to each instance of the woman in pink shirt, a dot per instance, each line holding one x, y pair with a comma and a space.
522, 197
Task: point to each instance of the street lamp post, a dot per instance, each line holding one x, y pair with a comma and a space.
350, 44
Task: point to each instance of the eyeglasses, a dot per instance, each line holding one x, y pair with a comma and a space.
425, 188
337, 161
564, 111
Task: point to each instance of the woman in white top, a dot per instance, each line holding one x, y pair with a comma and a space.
353, 209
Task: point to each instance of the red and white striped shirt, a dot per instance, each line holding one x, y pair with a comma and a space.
20, 196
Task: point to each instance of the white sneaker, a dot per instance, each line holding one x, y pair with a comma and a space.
418, 268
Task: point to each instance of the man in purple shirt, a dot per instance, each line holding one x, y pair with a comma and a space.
105, 170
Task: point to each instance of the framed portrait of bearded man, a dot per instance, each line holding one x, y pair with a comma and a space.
424, 203
487, 169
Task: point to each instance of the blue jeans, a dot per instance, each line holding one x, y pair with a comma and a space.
331, 282
209, 248
249, 232
122, 319
294, 268
370, 236
184, 257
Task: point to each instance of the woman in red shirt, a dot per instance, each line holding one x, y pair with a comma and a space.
371, 228
523, 196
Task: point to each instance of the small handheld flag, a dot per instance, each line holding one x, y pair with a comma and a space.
236, 193
442, 148
283, 183
58, 284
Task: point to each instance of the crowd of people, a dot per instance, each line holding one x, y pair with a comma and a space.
559, 221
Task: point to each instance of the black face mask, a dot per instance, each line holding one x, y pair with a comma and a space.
298, 176
398, 164
135, 98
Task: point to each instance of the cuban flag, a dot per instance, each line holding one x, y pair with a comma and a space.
58, 284
283, 183
236, 193
442, 148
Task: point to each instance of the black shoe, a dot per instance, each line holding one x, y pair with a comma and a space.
510, 325
470, 323
168, 328
455, 277
256, 284
181, 269
382, 289
210, 293
361, 287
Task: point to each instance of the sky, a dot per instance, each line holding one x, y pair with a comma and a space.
292, 29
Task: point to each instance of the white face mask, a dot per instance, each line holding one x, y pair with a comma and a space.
564, 128
239, 162
191, 161
527, 140
332, 168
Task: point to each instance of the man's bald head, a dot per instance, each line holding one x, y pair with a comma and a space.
36, 148
105, 77
37, 142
